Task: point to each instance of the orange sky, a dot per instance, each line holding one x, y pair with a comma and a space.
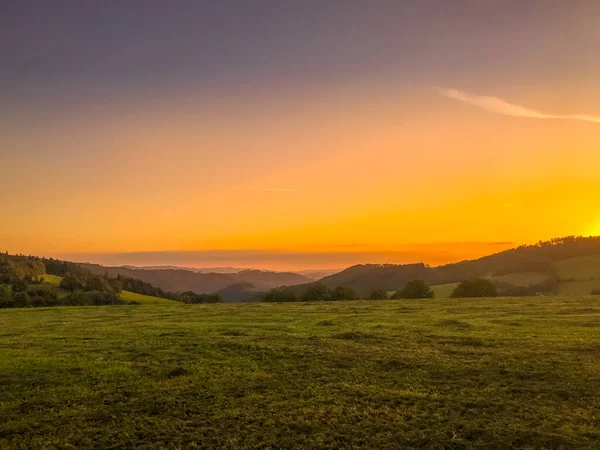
376, 161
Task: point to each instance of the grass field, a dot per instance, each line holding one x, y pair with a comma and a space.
494, 373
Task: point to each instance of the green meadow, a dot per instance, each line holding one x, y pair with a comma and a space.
480, 373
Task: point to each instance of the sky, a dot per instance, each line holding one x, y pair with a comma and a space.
289, 135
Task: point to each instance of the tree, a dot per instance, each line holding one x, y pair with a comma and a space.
378, 294
194, 298
71, 282
344, 293
280, 294
5, 291
414, 289
316, 292
98, 284
475, 288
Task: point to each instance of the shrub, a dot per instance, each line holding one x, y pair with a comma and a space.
194, 298
71, 282
378, 294
595, 292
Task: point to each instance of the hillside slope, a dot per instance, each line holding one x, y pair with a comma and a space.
577, 257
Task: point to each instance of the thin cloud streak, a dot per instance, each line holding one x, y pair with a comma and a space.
500, 106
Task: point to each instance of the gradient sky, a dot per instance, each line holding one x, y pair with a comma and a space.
289, 134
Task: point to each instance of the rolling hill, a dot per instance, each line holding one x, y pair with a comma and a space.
566, 260
174, 280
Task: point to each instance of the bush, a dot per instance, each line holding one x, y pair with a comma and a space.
193, 298
98, 283
71, 282
595, 292
5, 291
475, 288
378, 294
414, 289
20, 300
280, 294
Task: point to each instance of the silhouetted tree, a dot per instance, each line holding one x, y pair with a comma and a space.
414, 289
280, 294
475, 288
344, 293
378, 294
316, 292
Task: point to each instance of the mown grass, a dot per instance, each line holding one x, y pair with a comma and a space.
480, 373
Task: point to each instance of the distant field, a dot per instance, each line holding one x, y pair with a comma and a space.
582, 268
52, 279
522, 279
484, 373
443, 290
140, 298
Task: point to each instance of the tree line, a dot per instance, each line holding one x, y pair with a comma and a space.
22, 285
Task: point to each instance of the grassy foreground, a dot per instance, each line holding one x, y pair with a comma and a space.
494, 373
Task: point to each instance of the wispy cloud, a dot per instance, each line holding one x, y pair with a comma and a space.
500, 106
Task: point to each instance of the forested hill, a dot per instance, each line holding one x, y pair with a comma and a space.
172, 280
539, 258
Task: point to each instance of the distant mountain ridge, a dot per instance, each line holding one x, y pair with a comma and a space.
189, 269
311, 274
179, 280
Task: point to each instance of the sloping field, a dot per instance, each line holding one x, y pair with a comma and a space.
443, 290
140, 298
583, 287
484, 373
521, 279
582, 268
51, 279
